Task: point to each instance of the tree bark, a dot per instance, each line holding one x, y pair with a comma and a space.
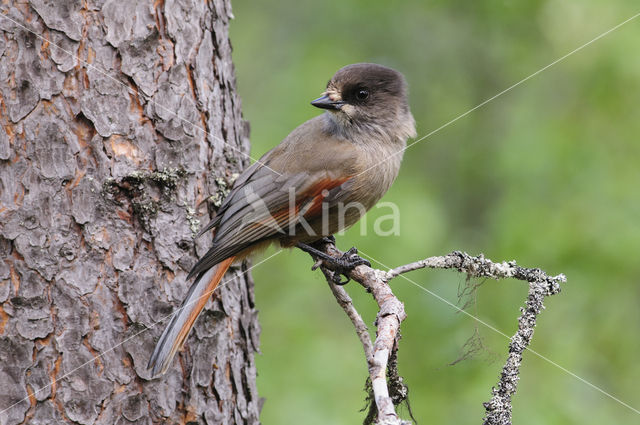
120, 129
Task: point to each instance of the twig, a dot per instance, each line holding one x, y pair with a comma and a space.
344, 300
391, 315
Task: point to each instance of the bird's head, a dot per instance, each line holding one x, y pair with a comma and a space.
368, 96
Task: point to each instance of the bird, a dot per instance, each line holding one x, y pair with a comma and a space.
318, 181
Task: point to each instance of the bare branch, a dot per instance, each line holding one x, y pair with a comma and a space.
391, 314
344, 300
498, 409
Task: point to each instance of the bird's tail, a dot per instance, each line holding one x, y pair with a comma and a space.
183, 319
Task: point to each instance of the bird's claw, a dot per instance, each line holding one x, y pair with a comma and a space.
317, 264
347, 262
341, 266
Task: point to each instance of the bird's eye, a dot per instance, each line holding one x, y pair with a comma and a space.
362, 94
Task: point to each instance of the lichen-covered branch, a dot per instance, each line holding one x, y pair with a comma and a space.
541, 285
391, 315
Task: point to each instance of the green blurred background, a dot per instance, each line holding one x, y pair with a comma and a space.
546, 174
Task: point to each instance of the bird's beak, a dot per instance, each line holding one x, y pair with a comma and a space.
325, 102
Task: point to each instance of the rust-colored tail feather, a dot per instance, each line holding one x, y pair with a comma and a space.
184, 318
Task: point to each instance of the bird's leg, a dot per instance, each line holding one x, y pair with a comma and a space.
342, 265
327, 240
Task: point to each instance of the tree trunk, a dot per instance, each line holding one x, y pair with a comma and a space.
120, 130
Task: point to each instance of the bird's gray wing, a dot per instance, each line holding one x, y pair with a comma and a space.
264, 206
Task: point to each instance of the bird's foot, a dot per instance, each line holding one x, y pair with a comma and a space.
347, 262
341, 266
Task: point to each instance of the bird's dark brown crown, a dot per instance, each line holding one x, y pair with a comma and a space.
376, 80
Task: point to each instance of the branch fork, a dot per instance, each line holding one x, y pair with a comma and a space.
381, 355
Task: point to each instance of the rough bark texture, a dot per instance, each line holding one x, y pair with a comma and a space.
105, 170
